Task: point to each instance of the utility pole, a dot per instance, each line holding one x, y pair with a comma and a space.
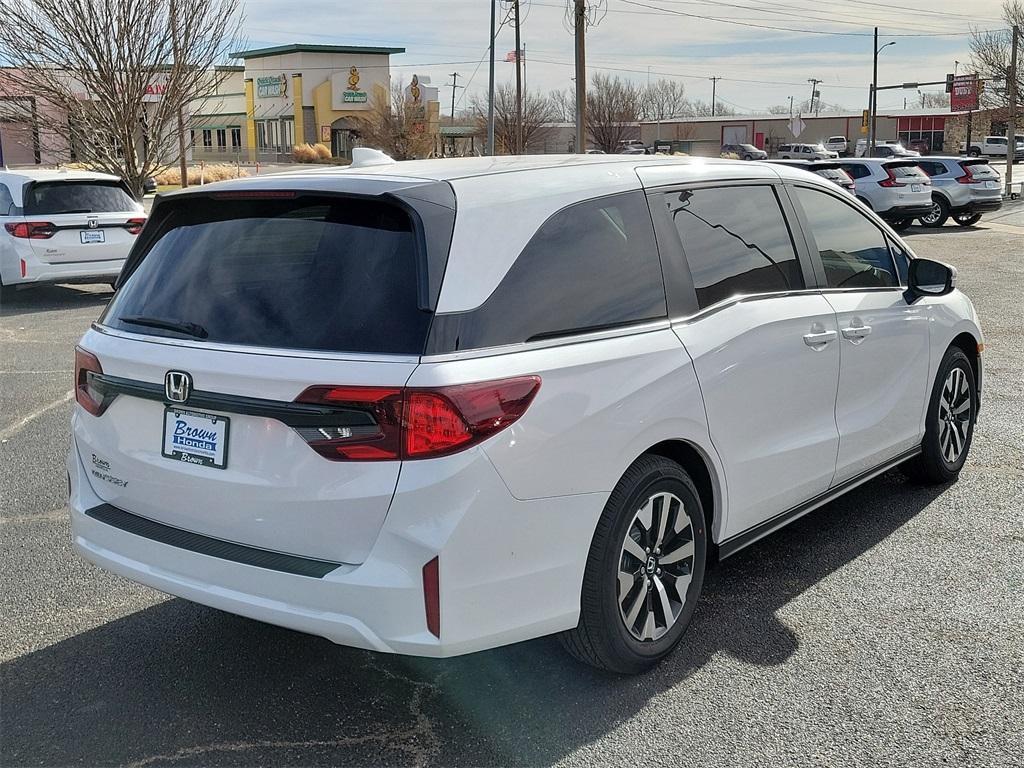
182, 162
519, 82
579, 22
454, 86
790, 107
490, 88
814, 89
1011, 128
714, 90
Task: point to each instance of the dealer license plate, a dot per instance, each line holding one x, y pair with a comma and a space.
915, 187
991, 185
196, 438
92, 236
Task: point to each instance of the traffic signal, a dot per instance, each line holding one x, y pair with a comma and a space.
949, 83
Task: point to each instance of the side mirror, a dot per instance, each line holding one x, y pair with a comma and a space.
930, 278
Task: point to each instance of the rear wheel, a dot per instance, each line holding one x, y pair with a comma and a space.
974, 152
938, 214
645, 570
967, 219
949, 428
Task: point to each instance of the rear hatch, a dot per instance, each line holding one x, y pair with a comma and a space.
913, 185
283, 319
82, 220
982, 179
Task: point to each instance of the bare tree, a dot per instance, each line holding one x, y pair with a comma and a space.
613, 104
698, 108
396, 124
663, 100
538, 112
932, 99
101, 78
563, 104
990, 56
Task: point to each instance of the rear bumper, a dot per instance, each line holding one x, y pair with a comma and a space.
905, 212
497, 557
978, 206
37, 271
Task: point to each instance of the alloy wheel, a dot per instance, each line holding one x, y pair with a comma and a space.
954, 415
932, 217
655, 567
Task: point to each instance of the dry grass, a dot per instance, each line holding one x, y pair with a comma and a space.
304, 153
212, 172
322, 151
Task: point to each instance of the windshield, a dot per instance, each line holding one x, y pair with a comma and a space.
324, 273
51, 198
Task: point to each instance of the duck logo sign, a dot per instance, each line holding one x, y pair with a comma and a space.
964, 94
352, 94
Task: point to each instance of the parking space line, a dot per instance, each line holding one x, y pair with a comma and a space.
17, 426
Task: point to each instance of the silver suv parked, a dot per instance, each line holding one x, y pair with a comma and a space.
961, 188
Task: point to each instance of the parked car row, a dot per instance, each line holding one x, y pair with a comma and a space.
929, 189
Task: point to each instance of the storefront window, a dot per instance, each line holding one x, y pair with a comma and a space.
236, 138
222, 140
207, 138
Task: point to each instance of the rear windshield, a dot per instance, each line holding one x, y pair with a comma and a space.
980, 168
51, 198
907, 172
834, 174
318, 273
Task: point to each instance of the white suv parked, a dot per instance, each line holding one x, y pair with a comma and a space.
440, 406
64, 227
897, 190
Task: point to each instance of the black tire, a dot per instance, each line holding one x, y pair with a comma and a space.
6, 292
974, 152
602, 638
933, 465
939, 214
866, 202
748, 157
967, 219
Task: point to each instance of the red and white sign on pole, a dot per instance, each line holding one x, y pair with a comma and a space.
964, 96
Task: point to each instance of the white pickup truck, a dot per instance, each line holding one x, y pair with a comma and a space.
993, 146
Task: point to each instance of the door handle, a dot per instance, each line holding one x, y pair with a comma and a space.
818, 339
856, 333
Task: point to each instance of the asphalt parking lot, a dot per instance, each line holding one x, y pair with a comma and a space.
883, 629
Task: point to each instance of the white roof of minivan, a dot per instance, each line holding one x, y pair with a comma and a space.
59, 174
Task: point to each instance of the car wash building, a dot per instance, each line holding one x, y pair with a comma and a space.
296, 94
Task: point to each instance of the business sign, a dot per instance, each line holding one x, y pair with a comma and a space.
352, 94
964, 96
272, 87
325, 134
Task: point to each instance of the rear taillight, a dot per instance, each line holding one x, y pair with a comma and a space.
968, 177
86, 366
892, 181
413, 422
134, 226
32, 230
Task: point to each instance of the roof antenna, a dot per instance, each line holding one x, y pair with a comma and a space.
364, 157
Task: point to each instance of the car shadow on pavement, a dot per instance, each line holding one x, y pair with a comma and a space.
46, 298
180, 684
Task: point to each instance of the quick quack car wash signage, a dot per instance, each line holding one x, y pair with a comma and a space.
352, 94
273, 86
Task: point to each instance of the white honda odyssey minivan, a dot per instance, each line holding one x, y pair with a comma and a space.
438, 406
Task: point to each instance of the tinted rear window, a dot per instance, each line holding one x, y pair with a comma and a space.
908, 172
319, 273
51, 198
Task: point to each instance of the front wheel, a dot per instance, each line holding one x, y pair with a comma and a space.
949, 428
967, 219
644, 572
938, 215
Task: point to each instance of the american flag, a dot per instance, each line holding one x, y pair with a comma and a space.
514, 55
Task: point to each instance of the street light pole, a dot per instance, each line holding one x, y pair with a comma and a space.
873, 106
490, 88
579, 20
1011, 133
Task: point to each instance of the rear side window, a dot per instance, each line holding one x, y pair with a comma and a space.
857, 170
318, 273
852, 249
932, 168
736, 241
590, 266
52, 198
6, 201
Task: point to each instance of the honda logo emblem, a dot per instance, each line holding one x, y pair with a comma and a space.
93, 223
177, 386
